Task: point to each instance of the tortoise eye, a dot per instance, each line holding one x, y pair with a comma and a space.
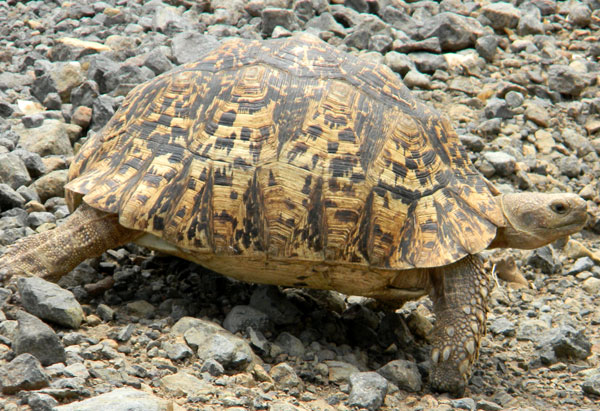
559, 207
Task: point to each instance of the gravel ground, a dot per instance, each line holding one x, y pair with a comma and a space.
519, 82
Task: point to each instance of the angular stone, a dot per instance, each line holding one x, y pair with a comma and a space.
36, 338
50, 302
24, 372
243, 316
184, 383
367, 390
455, 32
121, 399
51, 138
404, 374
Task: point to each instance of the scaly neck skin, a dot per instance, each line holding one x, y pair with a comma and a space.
536, 219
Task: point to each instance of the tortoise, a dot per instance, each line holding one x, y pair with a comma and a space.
290, 162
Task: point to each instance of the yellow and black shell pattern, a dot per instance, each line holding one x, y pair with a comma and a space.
288, 149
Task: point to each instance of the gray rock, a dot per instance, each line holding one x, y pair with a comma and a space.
51, 138
273, 17
37, 218
102, 111
455, 32
570, 166
158, 62
13, 171
326, 22
404, 374
544, 259
184, 383
33, 162
243, 316
591, 385
414, 79
286, 378
100, 69
566, 341
24, 372
490, 128
530, 24
581, 264
502, 326
580, 15
36, 338
428, 62
502, 15
272, 302
212, 367
497, 108
85, 94
41, 402
9, 198
177, 351
504, 164
514, 99
121, 399
530, 330
367, 390
213, 342
190, 46
566, 80
290, 344
399, 62
464, 404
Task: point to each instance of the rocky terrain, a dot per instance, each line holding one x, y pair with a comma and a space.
520, 83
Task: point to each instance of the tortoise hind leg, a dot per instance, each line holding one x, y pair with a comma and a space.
86, 233
460, 293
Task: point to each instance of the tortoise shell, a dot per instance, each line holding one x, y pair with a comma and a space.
288, 150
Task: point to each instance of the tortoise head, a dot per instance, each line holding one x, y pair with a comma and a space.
536, 219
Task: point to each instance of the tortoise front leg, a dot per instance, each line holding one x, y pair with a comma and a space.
86, 233
460, 294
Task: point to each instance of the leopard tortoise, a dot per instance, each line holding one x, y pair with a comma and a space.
289, 162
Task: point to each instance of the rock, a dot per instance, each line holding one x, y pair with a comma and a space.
502, 326
340, 372
33, 162
158, 62
102, 111
485, 405
545, 259
41, 402
9, 198
13, 170
581, 264
36, 338
326, 22
51, 138
141, 308
177, 351
502, 15
189, 46
184, 383
592, 286
24, 372
567, 342
212, 367
538, 114
273, 17
85, 94
504, 164
50, 302
570, 166
464, 404
243, 316
51, 185
498, 108
579, 15
367, 390
213, 342
455, 32
591, 385
272, 302
404, 374
285, 378
530, 24
428, 62
290, 344
530, 330
487, 46
414, 79
566, 80
121, 399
